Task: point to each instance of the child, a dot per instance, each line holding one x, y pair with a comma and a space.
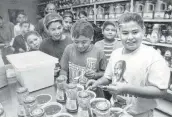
67, 22
146, 74
109, 43
21, 17
33, 40
57, 41
19, 43
97, 31
82, 58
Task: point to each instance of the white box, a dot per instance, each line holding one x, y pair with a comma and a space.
35, 70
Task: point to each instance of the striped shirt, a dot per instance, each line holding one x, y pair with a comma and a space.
108, 47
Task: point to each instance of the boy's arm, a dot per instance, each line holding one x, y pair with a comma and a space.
64, 62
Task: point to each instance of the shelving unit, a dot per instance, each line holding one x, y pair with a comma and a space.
157, 44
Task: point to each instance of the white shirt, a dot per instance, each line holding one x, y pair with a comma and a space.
17, 29
144, 67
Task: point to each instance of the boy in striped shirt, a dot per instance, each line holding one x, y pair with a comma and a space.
110, 42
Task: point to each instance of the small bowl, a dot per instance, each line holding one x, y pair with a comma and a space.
43, 102
92, 94
96, 100
51, 105
63, 115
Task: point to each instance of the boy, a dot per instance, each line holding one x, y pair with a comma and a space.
21, 17
109, 43
67, 22
19, 43
82, 58
33, 40
146, 74
97, 31
57, 41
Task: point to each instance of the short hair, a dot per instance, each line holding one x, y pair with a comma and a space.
50, 18
24, 22
21, 13
68, 14
83, 13
31, 33
106, 23
127, 17
82, 27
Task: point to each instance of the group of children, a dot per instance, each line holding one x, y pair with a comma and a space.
122, 67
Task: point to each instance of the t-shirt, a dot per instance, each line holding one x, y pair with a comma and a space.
75, 63
108, 47
55, 48
17, 29
18, 43
143, 67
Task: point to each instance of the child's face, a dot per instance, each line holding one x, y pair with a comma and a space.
50, 8
21, 18
109, 32
82, 16
82, 43
67, 23
25, 28
34, 42
55, 29
131, 35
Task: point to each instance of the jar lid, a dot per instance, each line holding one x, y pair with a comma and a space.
83, 94
102, 106
21, 90
61, 79
1, 111
29, 99
72, 86
38, 112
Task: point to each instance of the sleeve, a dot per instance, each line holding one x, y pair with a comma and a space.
159, 73
102, 61
109, 72
99, 45
64, 62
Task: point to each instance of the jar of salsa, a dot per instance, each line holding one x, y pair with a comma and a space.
38, 112
22, 93
29, 104
60, 93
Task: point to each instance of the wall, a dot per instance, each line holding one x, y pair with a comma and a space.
29, 7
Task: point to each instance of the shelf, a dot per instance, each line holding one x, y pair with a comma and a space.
158, 20
63, 8
102, 20
157, 44
82, 5
110, 1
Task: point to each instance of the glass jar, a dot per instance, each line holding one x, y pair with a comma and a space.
29, 104
22, 93
38, 112
71, 94
60, 93
83, 102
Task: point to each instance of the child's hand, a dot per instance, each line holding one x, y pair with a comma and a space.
91, 85
90, 74
21, 50
115, 89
